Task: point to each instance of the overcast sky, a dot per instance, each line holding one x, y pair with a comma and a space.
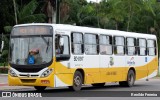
94, 0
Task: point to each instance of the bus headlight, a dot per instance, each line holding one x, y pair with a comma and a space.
12, 73
47, 73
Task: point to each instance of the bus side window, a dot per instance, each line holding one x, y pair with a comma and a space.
105, 44
142, 47
119, 45
131, 46
91, 44
151, 45
77, 43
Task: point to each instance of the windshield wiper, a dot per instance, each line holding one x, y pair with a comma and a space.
47, 45
44, 40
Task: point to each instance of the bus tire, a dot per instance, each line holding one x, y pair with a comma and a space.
98, 84
40, 88
77, 81
130, 79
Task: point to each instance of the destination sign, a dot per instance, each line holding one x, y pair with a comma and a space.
32, 30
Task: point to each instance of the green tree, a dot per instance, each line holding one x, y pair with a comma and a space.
116, 12
26, 14
6, 14
5, 51
132, 7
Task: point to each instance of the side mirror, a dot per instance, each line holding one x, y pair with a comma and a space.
61, 42
2, 45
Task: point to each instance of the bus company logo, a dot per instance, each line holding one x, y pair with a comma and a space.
28, 75
131, 62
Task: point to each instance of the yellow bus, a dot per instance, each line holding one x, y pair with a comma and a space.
58, 55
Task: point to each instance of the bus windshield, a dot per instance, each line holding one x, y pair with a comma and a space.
31, 50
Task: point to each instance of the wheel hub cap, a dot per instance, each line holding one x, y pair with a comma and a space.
77, 81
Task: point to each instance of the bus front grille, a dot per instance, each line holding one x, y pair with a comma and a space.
25, 75
28, 80
30, 70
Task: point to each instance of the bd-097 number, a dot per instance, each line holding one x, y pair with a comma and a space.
78, 58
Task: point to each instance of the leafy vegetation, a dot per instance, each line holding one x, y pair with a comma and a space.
127, 15
26, 13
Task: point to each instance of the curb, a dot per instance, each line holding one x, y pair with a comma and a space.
11, 88
3, 74
3, 84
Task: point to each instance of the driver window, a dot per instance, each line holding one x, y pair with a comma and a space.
62, 49
58, 49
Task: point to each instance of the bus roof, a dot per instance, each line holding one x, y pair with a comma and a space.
67, 27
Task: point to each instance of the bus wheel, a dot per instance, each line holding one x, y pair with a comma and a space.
40, 88
77, 81
130, 78
98, 84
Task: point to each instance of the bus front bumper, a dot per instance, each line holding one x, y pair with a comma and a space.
33, 81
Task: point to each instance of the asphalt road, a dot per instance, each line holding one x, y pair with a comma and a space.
141, 85
110, 90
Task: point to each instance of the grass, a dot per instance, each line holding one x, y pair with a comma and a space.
1, 64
